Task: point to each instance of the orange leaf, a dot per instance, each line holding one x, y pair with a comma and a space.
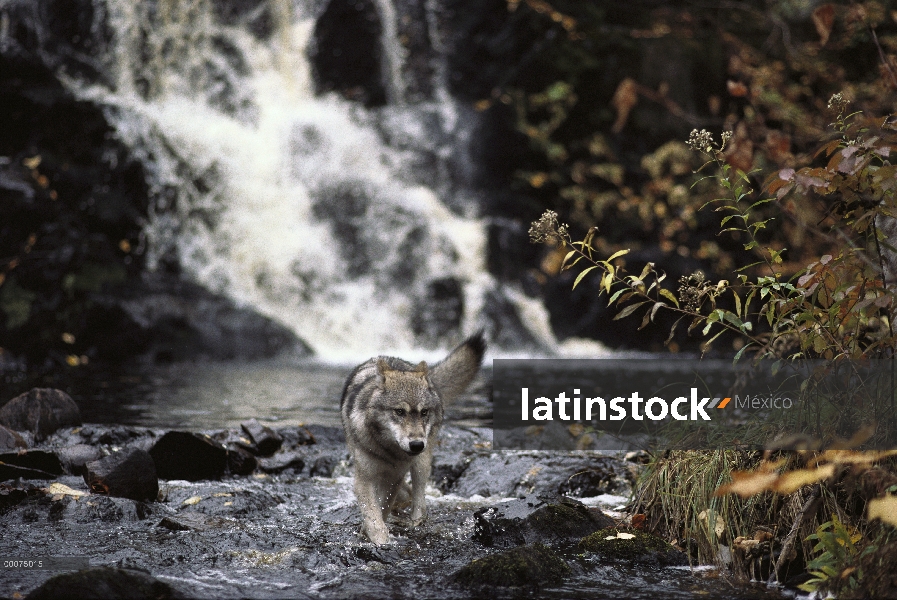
823, 20
625, 98
748, 483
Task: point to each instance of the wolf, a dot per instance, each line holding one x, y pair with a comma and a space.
392, 411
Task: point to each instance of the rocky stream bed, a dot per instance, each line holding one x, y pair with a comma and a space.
257, 512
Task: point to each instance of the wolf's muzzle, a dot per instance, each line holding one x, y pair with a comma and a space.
415, 447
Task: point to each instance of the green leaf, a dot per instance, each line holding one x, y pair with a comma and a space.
615, 296
645, 320
737, 303
648, 267
711, 340
759, 202
669, 295
654, 308
617, 254
629, 310
581, 275
15, 302
673, 332
740, 352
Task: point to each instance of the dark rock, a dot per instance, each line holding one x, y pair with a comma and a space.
505, 328
542, 473
10, 440
266, 441
346, 56
304, 436
439, 312
634, 546
281, 462
8, 472
591, 482
445, 474
11, 496
312, 434
104, 583
168, 319
192, 521
240, 461
114, 435
129, 473
40, 411
190, 456
323, 466
529, 520
75, 458
29, 464
523, 566
97, 509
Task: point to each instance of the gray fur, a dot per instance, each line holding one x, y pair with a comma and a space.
392, 411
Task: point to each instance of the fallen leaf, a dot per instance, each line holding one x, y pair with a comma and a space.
58, 490
192, 500
823, 20
622, 535
719, 526
884, 509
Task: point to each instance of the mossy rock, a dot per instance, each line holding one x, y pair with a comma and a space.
641, 547
522, 566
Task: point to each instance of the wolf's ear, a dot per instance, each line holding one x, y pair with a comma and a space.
421, 367
383, 367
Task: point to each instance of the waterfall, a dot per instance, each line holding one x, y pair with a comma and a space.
337, 212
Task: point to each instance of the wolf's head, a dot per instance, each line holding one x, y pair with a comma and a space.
411, 407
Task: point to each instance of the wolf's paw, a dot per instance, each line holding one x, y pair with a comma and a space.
417, 517
378, 535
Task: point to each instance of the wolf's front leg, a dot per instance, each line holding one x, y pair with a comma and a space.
371, 501
420, 475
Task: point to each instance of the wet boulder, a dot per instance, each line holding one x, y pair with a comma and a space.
632, 546
104, 583
189, 456
537, 472
530, 520
10, 496
323, 466
240, 461
283, 461
40, 411
129, 473
11, 440
75, 458
29, 464
265, 440
523, 566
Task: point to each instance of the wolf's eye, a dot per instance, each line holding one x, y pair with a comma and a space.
423, 412
400, 412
